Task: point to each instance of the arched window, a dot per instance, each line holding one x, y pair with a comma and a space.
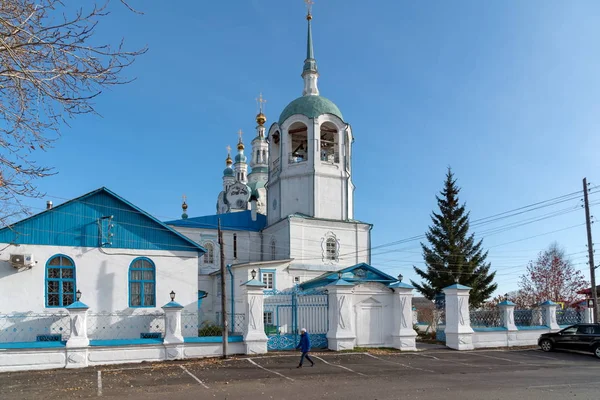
142, 283
298, 143
60, 281
273, 249
329, 143
331, 249
209, 256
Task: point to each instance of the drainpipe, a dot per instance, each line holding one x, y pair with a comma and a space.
232, 298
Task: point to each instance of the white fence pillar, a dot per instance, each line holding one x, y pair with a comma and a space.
587, 316
341, 335
255, 339
78, 342
507, 309
403, 334
549, 309
173, 340
459, 334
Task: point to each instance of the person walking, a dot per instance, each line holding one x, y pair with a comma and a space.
304, 346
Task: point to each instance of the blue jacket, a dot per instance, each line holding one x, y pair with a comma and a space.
304, 344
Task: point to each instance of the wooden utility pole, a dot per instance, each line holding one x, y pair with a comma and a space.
588, 224
223, 294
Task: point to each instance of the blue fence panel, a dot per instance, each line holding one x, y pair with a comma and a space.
286, 313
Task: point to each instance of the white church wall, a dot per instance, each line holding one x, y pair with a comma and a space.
308, 243
329, 189
278, 234
273, 206
297, 192
102, 276
247, 246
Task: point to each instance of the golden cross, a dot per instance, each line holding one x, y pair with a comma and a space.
309, 4
228, 149
260, 102
184, 198
240, 135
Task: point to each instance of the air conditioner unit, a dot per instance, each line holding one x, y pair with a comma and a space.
22, 260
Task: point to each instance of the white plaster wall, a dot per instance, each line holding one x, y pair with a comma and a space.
274, 203
248, 246
308, 241
32, 359
40, 359
491, 339
330, 193
375, 296
281, 233
101, 276
297, 189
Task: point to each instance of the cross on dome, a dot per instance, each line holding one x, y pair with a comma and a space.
309, 4
260, 101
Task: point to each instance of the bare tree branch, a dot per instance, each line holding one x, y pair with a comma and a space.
50, 72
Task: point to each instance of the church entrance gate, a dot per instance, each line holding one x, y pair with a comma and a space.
285, 313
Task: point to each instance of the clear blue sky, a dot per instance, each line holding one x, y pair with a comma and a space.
506, 92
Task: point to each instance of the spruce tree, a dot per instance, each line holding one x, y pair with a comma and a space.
452, 255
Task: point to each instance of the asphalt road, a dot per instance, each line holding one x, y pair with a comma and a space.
438, 374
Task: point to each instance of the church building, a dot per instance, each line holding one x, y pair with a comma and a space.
291, 218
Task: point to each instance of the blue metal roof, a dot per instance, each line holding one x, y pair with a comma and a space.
358, 273
83, 222
235, 221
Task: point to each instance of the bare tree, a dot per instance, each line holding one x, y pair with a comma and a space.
551, 276
51, 69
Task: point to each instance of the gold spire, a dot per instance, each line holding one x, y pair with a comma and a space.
240, 145
309, 4
260, 118
228, 160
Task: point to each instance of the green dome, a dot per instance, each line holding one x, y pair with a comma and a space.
310, 106
228, 171
240, 158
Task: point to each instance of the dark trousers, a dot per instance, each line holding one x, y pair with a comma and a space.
307, 357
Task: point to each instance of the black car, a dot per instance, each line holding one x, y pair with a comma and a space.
580, 337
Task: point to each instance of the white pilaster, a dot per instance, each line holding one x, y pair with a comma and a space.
507, 309
341, 334
78, 342
255, 339
588, 316
549, 309
459, 334
403, 334
173, 340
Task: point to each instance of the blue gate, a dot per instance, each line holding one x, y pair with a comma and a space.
285, 313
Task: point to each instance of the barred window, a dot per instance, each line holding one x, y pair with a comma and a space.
142, 283
331, 249
60, 281
209, 256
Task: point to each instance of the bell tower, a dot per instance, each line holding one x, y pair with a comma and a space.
310, 151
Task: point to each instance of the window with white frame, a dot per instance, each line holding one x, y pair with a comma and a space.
331, 249
268, 279
268, 317
209, 256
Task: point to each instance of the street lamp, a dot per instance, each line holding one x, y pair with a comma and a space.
78, 294
172, 294
400, 277
253, 273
